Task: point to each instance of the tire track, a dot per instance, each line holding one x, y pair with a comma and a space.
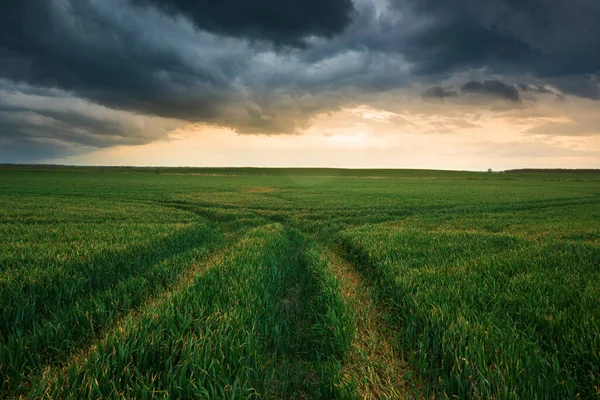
185, 280
373, 364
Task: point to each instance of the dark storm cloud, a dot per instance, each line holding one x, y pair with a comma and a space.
78, 47
438, 92
134, 58
534, 88
128, 57
492, 88
70, 126
52, 119
547, 38
268, 67
542, 90
582, 86
26, 150
286, 22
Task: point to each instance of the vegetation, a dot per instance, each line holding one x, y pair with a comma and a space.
490, 314
127, 283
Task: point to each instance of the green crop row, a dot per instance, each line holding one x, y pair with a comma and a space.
265, 320
488, 315
52, 308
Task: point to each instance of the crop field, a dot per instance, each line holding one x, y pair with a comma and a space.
290, 283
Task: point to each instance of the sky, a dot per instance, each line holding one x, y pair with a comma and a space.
443, 84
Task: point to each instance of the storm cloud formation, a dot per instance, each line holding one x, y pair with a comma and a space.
284, 21
268, 67
492, 88
438, 92
548, 38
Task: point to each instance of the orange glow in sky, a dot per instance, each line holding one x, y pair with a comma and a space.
364, 137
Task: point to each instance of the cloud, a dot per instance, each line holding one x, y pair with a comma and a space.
97, 52
270, 68
140, 60
540, 37
541, 89
62, 124
492, 88
278, 21
567, 128
587, 86
438, 92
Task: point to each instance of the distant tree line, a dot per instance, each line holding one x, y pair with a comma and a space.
566, 170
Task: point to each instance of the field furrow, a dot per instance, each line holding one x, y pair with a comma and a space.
184, 281
486, 315
49, 314
374, 362
258, 321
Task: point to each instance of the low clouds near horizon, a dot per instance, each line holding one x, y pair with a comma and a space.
81, 75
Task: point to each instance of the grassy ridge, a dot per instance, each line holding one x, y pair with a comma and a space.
260, 322
487, 315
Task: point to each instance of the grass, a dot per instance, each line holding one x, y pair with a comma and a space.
374, 363
258, 321
290, 283
489, 315
61, 286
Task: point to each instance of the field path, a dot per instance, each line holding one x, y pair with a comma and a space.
185, 280
374, 363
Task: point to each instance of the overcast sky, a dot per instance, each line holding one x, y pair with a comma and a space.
452, 84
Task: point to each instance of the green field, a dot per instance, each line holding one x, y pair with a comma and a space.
291, 283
